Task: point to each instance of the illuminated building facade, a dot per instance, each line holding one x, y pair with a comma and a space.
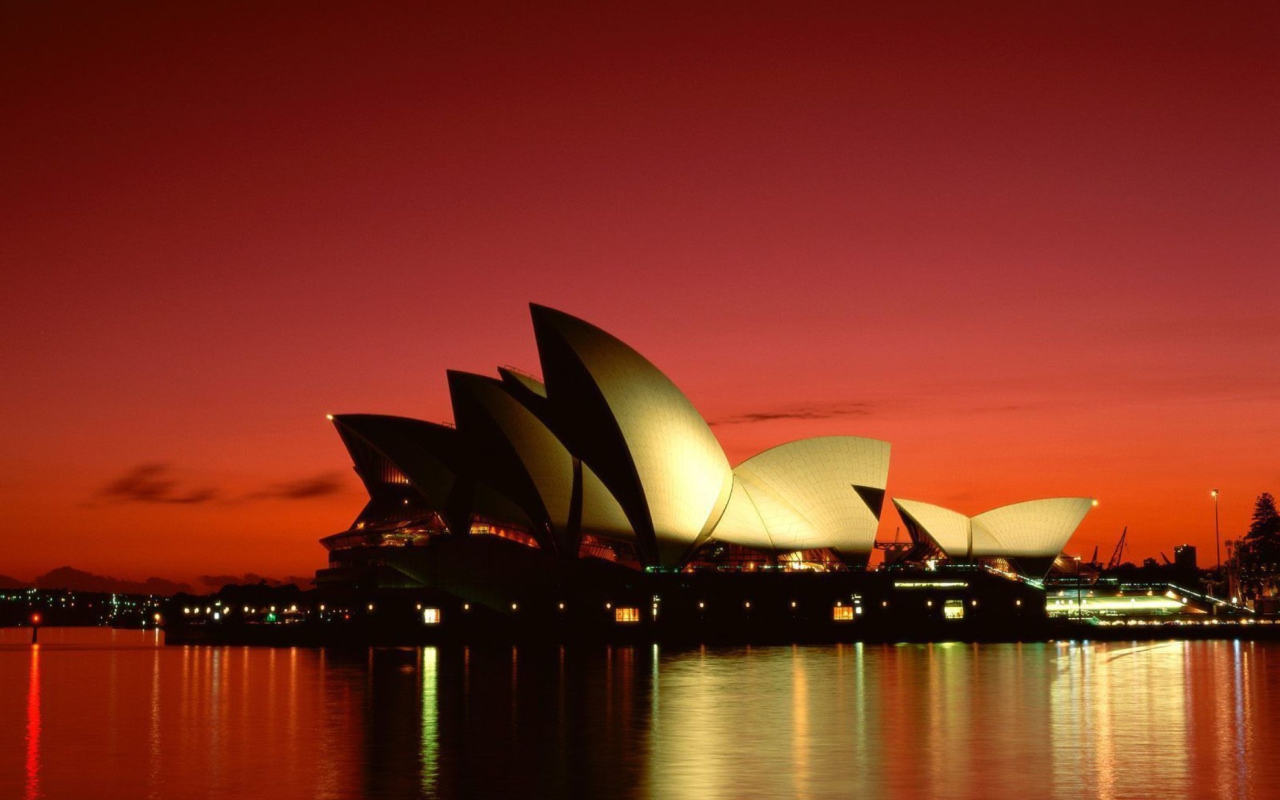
606, 461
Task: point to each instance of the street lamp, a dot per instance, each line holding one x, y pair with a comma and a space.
1217, 548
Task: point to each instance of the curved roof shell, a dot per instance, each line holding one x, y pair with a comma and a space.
741, 522
1035, 527
427, 455
948, 529
515, 450
522, 381
1028, 532
518, 453
601, 514
637, 432
436, 463
812, 493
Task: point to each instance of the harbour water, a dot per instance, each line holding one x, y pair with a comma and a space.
112, 714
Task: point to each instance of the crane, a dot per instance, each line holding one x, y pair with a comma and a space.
1119, 551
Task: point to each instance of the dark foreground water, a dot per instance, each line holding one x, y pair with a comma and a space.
95, 713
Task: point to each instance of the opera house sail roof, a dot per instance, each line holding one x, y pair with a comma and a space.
606, 457
809, 494
1032, 533
638, 432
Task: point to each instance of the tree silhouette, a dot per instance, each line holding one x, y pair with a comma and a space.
1257, 555
1266, 522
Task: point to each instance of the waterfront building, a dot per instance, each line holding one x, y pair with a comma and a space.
602, 470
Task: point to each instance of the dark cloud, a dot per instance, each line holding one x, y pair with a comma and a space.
322, 485
154, 483
1006, 409
799, 412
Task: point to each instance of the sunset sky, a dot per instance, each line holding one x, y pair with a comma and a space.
1034, 245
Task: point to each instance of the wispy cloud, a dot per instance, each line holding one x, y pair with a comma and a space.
807, 412
154, 483
159, 483
321, 485
1006, 408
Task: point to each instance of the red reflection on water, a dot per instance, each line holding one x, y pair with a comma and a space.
33, 727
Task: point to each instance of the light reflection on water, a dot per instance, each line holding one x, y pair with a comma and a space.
113, 714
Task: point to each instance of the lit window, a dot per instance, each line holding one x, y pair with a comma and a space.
842, 614
626, 614
430, 616
953, 609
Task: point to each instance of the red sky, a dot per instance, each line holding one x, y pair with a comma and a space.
1033, 245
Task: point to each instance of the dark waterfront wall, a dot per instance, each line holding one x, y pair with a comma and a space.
482, 588
556, 600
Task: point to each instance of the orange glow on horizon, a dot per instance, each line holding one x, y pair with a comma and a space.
984, 237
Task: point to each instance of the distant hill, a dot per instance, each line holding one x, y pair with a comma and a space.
216, 582
81, 581
12, 583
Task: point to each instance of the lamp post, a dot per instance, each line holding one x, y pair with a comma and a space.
1217, 548
35, 628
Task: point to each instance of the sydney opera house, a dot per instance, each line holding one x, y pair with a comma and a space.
601, 478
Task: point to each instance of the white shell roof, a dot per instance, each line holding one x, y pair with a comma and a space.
683, 472
527, 381
1035, 528
548, 463
948, 529
741, 523
544, 457
803, 493
600, 510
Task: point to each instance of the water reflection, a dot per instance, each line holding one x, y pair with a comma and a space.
113, 715
32, 789
153, 731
